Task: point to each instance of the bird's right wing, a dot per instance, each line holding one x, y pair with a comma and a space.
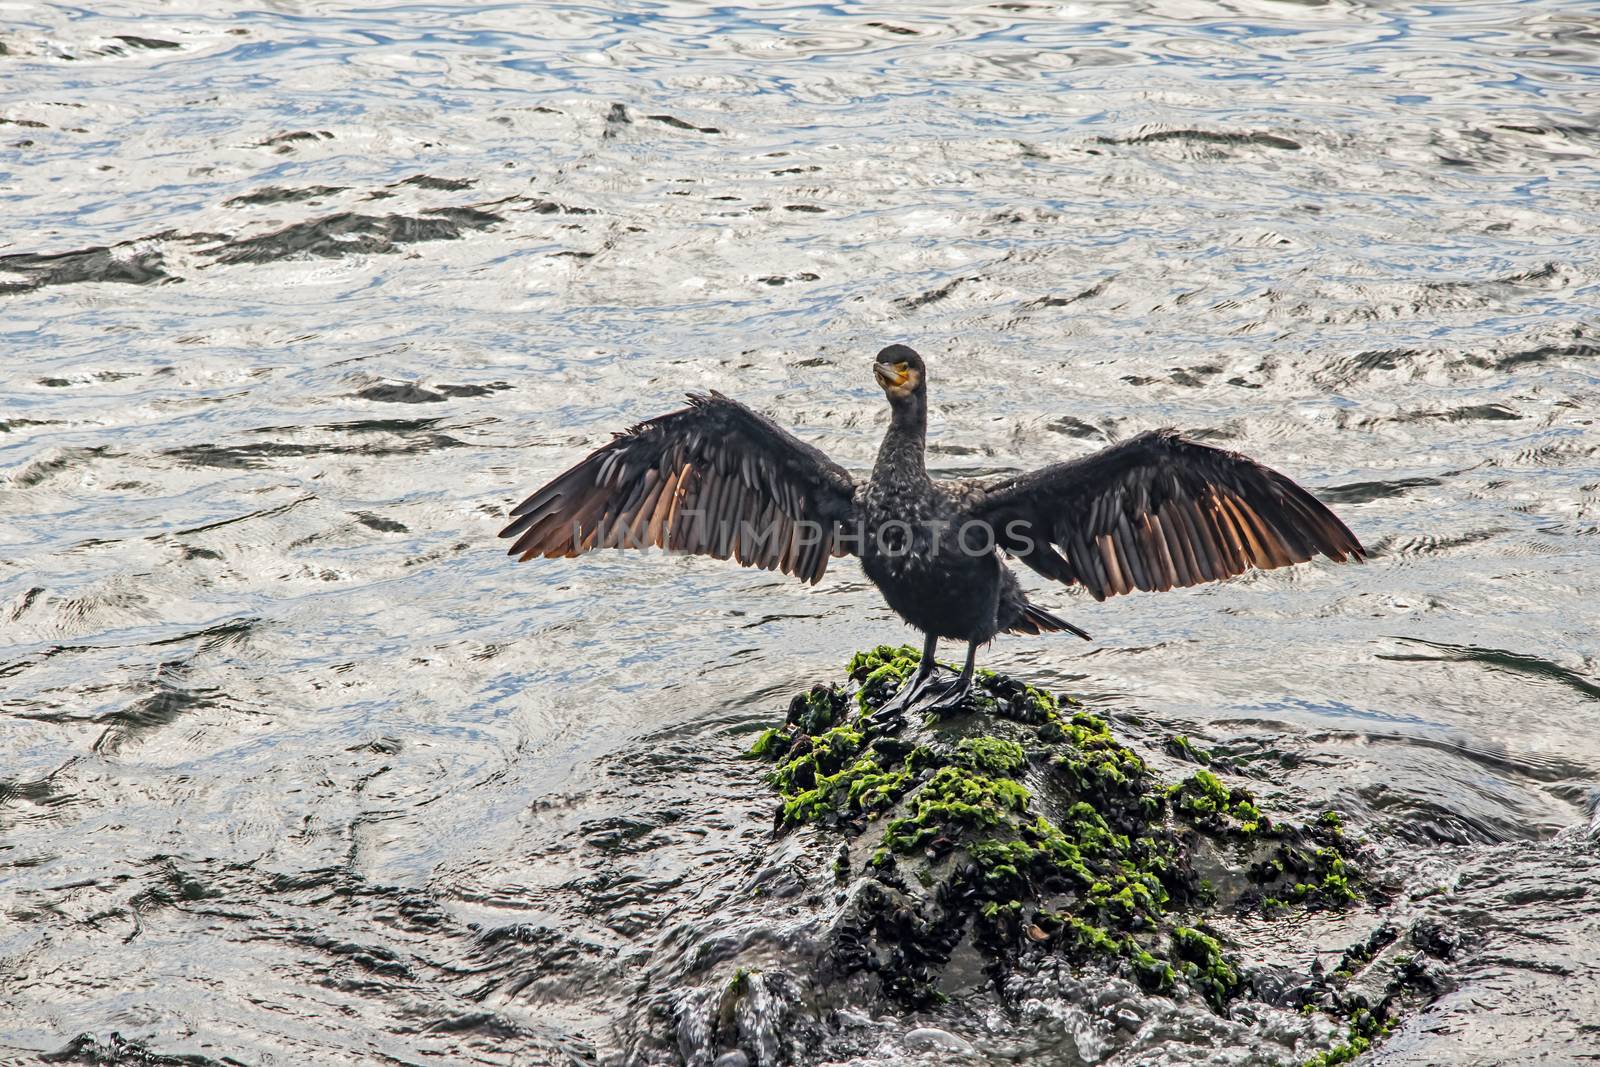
714, 478
1157, 512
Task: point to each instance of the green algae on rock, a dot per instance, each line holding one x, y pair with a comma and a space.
1019, 825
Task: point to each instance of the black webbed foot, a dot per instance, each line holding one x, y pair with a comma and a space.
943, 697
894, 709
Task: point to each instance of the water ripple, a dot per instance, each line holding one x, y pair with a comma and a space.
309, 293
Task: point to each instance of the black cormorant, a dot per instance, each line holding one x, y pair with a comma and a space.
1154, 512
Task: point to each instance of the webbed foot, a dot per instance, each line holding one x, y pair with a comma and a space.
894, 709
943, 697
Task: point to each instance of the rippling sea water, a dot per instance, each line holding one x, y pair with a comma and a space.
297, 299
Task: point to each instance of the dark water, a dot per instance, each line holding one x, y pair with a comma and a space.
297, 299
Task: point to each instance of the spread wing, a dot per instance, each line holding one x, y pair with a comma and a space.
714, 478
1157, 512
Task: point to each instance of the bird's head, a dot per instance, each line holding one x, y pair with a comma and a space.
899, 370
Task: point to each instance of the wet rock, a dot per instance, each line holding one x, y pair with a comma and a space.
1435, 937
1012, 851
929, 1039
1281, 987
766, 1017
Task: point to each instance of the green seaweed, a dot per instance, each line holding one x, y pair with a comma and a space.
863, 786
1206, 966
817, 709
1185, 749
772, 743
990, 755
1330, 887
1200, 795
1155, 975
1080, 938
1203, 799
954, 799
1365, 1028
1310, 869
995, 911
1338, 1054
880, 671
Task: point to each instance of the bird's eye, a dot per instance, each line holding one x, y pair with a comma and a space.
902, 368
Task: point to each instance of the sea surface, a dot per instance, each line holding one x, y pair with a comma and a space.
298, 298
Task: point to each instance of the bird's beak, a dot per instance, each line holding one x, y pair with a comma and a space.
887, 376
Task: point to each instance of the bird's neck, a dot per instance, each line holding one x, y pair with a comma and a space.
902, 453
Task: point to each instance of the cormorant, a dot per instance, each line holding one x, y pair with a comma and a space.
1154, 512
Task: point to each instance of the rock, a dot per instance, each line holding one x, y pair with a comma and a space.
1014, 854
1019, 823
928, 1039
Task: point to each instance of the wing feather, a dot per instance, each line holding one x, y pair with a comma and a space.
1197, 539
1159, 512
714, 478
1085, 562
1155, 546
1127, 556
1178, 550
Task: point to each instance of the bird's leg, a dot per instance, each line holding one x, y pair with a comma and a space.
914, 686
954, 693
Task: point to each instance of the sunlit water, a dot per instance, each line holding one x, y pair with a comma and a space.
296, 301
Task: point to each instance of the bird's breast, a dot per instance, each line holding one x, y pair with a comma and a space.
911, 534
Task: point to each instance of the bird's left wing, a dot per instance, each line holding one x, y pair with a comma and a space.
714, 478
1156, 512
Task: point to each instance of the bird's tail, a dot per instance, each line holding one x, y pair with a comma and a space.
1036, 620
